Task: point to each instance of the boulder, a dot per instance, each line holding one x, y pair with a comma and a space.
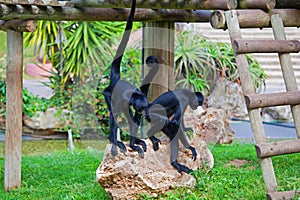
211, 125
48, 120
228, 96
126, 175
280, 113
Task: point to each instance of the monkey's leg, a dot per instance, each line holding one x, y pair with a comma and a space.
186, 144
113, 137
112, 126
133, 125
174, 155
138, 120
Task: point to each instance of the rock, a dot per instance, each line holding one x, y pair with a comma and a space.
211, 125
48, 120
126, 176
281, 113
228, 96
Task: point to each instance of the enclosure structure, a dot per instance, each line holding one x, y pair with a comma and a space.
17, 16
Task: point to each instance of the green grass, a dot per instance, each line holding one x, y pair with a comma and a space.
61, 174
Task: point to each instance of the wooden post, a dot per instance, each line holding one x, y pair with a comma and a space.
158, 40
287, 69
13, 140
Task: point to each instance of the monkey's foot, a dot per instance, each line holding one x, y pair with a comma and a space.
138, 149
181, 168
155, 143
194, 152
142, 143
122, 146
114, 150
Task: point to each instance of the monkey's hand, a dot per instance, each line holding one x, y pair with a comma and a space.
133, 146
142, 143
181, 168
194, 152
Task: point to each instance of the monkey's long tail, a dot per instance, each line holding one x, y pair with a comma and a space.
115, 67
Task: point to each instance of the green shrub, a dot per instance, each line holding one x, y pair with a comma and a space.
201, 62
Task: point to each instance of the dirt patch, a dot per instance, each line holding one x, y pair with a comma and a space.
238, 162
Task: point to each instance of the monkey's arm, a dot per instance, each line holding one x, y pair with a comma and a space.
186, 144
174, 155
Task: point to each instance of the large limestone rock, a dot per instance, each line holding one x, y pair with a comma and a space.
211, 125
48, 120
125, 176
228, 96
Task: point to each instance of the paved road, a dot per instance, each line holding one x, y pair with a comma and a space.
37, 88
243, 130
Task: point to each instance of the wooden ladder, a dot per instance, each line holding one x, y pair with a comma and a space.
255, 101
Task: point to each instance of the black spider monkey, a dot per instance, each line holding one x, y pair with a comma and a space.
120, 95
171, 104
151, 62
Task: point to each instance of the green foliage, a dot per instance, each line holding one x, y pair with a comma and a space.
3, 67
192, 61
31, 103
84, 44
88, 104
44, 39
202, 61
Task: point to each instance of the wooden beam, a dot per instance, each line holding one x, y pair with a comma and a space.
256, 4
257, 18
287, 4
266, 46
13, 135
18, 25
273, 99
287, 69
102, 14
35, 2
266, 150
161, 4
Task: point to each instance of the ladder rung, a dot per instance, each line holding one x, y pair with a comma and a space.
266, 46
281, 195
266, 150
272, 99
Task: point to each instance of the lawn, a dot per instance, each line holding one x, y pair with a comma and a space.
57, 173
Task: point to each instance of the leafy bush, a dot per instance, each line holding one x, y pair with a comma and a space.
31, 103
201, 62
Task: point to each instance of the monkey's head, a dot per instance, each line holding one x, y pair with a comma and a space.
197, 100
151, 60
138, 101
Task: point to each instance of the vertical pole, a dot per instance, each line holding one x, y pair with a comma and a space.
248, 88
158, 40
13, 140
287, 68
